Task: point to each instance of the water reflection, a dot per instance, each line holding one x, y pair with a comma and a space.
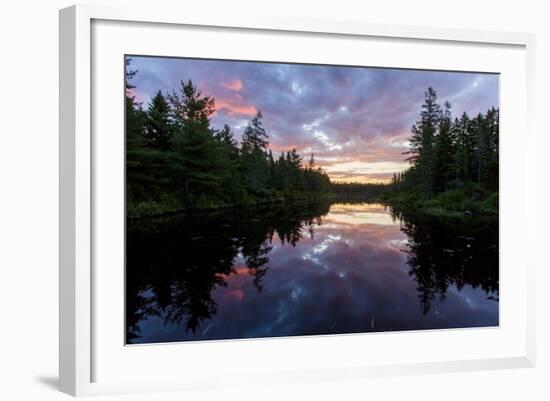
455, 252
309, 269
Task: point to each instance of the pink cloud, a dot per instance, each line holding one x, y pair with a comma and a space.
235, 108
283, 148
235, 85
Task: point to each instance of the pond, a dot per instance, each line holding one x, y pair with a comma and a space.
307, 269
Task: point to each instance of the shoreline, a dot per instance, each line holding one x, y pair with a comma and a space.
404, 202
290, 200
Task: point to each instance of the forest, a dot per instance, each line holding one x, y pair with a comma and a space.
453, 162
175, 160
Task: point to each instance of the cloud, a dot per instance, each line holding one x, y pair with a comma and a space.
234, 108
235, 85
361, 171
342, 114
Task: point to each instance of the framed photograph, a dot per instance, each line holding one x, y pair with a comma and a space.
290, 200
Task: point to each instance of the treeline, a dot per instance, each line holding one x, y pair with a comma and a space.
454, 162
357, 190
176, 160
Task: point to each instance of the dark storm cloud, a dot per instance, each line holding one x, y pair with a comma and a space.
342, 114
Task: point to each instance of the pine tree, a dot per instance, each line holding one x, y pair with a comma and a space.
225, 136
158, 127
422, 141
280, 179
189, 106
295, 159
137, 166
200, 162
253, 155
229, 164
464, 148
492, 121
255, 137
482, 148
294, 165
311, 163
128, 75
444, 151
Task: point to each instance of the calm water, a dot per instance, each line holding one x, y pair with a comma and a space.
323, 269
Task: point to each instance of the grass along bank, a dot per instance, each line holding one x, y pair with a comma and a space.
469, 200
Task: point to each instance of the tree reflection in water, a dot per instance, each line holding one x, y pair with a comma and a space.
175, 264
444, 252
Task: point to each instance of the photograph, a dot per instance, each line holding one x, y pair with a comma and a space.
222, 200
276, 199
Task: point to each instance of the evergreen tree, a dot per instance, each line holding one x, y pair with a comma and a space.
253, 153
190, 107
226, 137
255, 137
482, 148
294, 163
464, 148
492, 124
444, 151
459, 155
311, 163
128, 75
294, 159
422, 140
230, 164
137, 183
158, 127
280, 175
196, 155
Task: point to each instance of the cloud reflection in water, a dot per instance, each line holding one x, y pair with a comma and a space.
360, 270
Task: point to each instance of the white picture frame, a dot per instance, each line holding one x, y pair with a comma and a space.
79, 160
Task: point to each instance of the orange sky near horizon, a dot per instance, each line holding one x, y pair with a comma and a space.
356, 121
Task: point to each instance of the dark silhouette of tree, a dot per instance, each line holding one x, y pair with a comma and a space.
194, 143
158, 127
492, 126
177, 161
447, 155
422, 141
255, 137
190, 107
128, 75
444, 151
254, 156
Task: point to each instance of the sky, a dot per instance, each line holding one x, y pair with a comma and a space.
355, 120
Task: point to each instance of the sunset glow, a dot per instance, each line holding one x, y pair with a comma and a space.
356, 121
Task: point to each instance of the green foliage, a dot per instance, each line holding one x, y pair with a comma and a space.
422, 152
176, 161
465, 201
158, 127
454, 164
255, 137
